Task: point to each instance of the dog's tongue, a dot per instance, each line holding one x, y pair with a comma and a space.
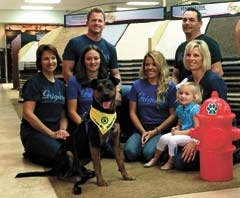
106, 104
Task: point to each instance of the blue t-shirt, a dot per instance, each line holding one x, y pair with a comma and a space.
49, 97
144, 94
212, 82
77, 45
186, 113
83, 95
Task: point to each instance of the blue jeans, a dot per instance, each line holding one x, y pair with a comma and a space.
133, 147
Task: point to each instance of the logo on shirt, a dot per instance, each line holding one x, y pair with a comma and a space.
49, 96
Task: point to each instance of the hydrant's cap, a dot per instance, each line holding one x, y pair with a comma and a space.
215, 106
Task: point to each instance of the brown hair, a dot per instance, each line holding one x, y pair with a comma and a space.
81, 67
47, 47
97, 10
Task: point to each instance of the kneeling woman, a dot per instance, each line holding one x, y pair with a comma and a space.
152, 101
43, 127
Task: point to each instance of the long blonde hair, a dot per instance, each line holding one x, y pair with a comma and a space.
162, 66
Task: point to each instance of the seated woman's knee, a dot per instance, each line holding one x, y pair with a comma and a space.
130, 155
147, 155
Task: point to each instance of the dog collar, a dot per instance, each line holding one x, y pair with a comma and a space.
104, 121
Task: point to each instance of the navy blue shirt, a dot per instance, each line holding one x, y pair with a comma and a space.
49, 98
212, 82
77, 45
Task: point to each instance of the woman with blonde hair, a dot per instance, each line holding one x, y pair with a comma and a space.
189, 96
152, 101
197, 60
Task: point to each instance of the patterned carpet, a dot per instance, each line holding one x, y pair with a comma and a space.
151, 182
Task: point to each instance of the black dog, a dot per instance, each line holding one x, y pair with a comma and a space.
102, 126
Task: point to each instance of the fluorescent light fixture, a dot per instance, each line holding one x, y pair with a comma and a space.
36, 7
143, 3
43, 1
121, 9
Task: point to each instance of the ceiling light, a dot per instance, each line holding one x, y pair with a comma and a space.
121, 9
143, 3
36, 7
43, 1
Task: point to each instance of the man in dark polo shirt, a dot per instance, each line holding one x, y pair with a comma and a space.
191, 25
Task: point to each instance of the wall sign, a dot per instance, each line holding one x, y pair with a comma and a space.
207, 10
118, 17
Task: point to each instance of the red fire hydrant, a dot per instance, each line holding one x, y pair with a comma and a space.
215, 133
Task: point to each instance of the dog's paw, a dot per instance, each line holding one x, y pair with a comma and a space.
126, 176
129, 178
102, 183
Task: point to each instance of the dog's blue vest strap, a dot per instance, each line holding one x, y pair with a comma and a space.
87, 121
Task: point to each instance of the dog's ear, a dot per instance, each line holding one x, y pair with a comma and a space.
94, 83
114, 80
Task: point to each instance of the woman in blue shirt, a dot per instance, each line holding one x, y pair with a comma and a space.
152, 101
79, 92
197, 59
44, 124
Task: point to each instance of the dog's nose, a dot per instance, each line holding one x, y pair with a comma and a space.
106, 96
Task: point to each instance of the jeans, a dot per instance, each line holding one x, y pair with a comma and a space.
133, 148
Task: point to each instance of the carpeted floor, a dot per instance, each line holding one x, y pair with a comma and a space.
151, 182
